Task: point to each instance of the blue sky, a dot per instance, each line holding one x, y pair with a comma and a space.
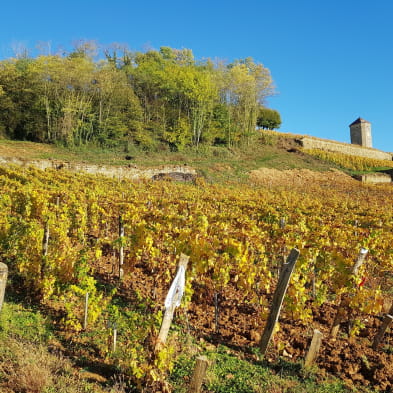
332, 61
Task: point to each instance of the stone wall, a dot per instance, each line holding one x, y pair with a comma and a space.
130, 172
374, 178
345, 148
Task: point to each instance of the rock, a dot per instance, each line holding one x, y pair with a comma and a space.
175, 176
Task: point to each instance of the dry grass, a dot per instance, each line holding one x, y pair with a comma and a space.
27, 150
28, 377
26, 368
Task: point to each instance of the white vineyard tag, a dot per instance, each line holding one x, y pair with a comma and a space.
177, 289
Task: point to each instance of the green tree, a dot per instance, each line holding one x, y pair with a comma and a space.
118, 114
86, 101
244, 87
177, 95
268, 119
67, 97
21, 116
155, 98
192, 91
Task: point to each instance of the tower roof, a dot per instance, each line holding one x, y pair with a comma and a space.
359, 120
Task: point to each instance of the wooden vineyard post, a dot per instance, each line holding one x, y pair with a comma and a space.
216, 311
45, 240
45, 245
387, 320
3, 282
281, 260
314, 348
168, 315
341, 311
198, 374
278, 298
114, 337
313, 282
86, 310
121, 250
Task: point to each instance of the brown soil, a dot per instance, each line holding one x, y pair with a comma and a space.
288, 143
298, 177
240, 327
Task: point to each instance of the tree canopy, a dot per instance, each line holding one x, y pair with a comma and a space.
268, 119
151, 99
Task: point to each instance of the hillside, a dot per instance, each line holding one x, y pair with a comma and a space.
216, 164
236, 241
269, 150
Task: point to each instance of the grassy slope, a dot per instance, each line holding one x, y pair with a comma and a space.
31, 360
216, 164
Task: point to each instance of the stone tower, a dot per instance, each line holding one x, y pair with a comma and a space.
361, 132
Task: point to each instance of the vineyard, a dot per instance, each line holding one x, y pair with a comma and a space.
68, 237
352, 162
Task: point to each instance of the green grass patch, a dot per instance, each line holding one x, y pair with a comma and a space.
24, 323
228, 373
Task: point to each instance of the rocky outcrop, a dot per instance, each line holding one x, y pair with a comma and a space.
131, 172
176, 176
